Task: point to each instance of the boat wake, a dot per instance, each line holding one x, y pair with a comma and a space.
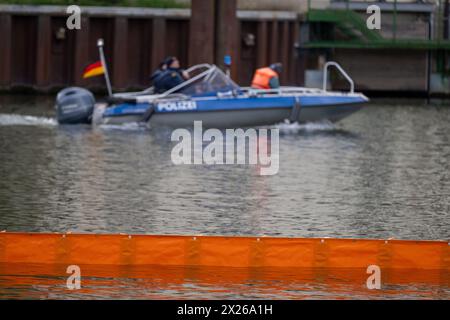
27, 120
306, 127
130, 126
24, 120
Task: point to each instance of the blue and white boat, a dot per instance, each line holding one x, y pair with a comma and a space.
212, 97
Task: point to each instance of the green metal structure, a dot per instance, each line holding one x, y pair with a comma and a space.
354, 27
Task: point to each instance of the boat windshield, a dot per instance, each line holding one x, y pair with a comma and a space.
209, 82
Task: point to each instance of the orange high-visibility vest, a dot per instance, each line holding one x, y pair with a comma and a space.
262, 78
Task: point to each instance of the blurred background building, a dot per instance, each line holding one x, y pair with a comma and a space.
409, 55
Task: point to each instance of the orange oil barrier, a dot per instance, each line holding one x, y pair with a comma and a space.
46, 281
215, 251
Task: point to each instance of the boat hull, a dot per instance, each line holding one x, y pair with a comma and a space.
211, 119
237, 112
239, 119
332, 113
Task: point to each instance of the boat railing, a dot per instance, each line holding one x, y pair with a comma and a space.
341, 70
152, 97
286, 91
148, 95
210, 69
150, 90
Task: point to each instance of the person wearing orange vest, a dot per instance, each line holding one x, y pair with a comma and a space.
268, 77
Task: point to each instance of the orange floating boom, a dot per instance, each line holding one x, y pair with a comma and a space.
208, 251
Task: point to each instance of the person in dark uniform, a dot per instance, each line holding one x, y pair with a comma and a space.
171, 77
155, 75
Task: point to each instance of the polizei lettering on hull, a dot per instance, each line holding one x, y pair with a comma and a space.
177, 106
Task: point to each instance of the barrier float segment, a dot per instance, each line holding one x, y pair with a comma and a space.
221, 251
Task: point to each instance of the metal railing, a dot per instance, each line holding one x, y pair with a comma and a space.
341, 70
281, 91
209, 68
150, 91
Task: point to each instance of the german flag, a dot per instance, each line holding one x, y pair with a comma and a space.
93, 70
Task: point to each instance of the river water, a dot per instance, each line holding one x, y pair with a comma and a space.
384, 172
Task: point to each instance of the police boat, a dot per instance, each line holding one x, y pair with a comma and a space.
212, 97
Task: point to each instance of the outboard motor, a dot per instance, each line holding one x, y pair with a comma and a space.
74, 106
